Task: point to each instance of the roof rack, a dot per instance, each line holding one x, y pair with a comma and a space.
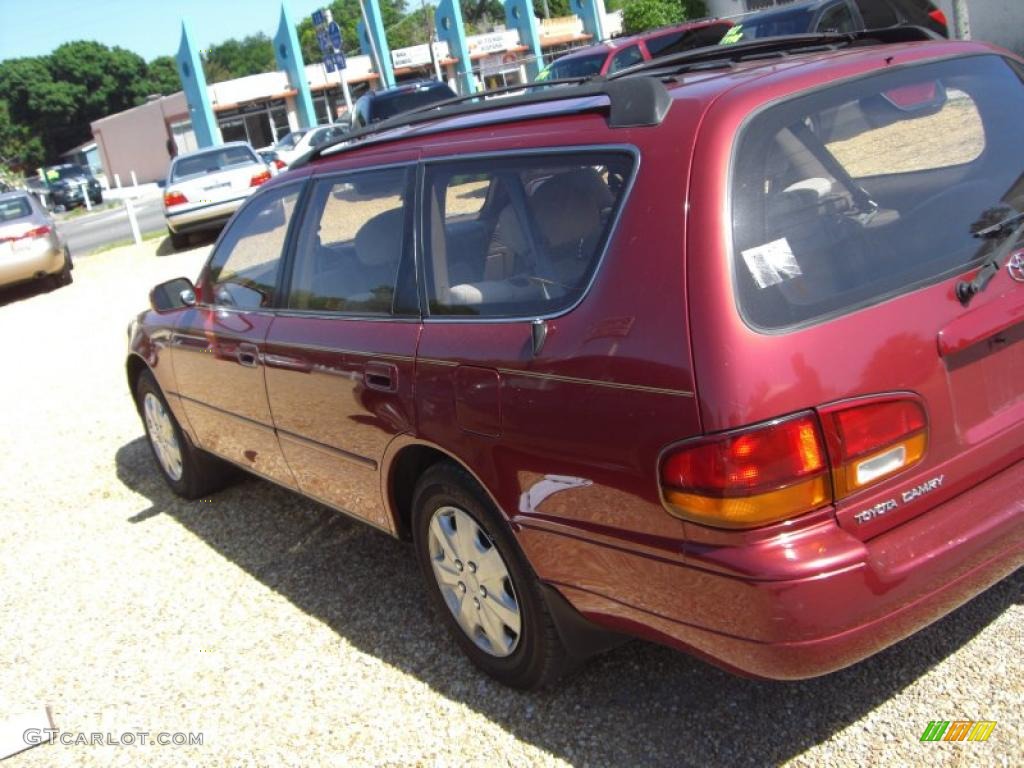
746, 50
630, 103
633, 97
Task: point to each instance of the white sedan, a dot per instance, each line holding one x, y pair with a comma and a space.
204, 188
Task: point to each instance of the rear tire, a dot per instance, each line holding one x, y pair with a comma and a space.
64, 276
189, 471
481, 584
179, 240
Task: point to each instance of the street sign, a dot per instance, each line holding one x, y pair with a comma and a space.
339, 60
334, 33
318, 17
325, 45
329, 62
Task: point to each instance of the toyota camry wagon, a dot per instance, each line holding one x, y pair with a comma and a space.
724, 351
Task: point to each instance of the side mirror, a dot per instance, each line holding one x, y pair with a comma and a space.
174, 294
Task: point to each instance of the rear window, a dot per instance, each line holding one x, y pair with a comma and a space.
677, 42
870, 188
578, 66
211, 162
786, 22
393, 104
15, 208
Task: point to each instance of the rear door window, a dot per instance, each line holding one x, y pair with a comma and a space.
626, 58
354, 234
516, 237
870, 188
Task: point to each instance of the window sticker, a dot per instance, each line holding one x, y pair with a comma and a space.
772, 263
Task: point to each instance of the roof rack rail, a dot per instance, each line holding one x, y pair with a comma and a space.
784, 44
630, 103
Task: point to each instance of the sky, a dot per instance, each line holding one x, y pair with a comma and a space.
151, 28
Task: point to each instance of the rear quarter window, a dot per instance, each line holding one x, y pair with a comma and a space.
867, 189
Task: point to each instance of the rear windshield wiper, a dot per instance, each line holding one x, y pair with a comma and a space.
999, 223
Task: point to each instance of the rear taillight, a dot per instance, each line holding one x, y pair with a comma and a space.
280, 164
32, 234
43, 231
870, 442
786, 467
752, 477
259, 178
174, 198
938, 16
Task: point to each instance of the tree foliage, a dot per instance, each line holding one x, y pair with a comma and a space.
640, 15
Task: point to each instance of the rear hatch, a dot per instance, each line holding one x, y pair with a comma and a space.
213, 177
857, 209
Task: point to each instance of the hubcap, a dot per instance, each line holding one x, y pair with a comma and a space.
474, 581
162, 436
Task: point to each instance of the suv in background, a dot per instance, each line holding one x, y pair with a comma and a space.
621, 52
374, 106
64, 186
717, 352
816, 16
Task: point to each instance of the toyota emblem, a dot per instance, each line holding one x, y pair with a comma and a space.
1015, 266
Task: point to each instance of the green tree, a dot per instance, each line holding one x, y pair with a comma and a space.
640, 15
20, 149
162, 76
238, 58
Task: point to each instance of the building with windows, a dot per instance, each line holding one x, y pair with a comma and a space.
261, 108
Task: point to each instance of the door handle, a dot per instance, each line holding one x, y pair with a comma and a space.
381, 376
286, 362
247, 354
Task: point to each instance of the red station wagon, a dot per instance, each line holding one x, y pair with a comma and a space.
725, 351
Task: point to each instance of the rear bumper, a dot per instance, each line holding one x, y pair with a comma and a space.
851, 600
203, 217
37, 261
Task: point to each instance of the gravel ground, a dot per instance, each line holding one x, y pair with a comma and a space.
288, 635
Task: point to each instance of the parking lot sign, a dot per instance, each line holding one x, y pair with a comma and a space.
318, 17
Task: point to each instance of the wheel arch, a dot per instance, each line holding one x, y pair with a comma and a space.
134, 368
405, 463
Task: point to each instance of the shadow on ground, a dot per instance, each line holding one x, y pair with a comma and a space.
195, 240
23, 291
641, 703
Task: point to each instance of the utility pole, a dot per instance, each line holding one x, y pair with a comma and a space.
961, 20
431, 39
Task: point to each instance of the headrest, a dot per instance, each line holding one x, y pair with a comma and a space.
569, 207
379, 240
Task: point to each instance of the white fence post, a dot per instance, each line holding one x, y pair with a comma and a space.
132, 221
117, 180
135, 181
85, 195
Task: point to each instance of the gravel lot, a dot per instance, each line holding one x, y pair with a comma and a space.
288, 635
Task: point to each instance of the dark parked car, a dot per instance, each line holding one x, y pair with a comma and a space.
721, 353
374, 106
67, 186
838, 16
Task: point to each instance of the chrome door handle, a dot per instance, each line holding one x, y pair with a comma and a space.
381, 376
248, 354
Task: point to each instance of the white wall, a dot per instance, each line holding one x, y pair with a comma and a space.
994, 21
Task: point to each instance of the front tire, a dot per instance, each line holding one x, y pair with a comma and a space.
480, 582
190, 472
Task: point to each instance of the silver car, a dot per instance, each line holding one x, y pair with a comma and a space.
31, 248
204, 188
